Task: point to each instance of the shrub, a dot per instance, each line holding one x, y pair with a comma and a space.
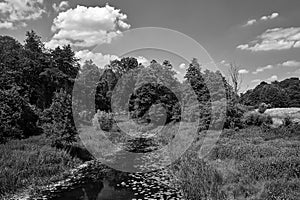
262, 108
287, 121
293, 130
234, 115
256, 119
58, 121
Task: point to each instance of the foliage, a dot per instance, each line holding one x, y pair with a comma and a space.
279, 94
155, 85
58, 121
257, 119
18, 119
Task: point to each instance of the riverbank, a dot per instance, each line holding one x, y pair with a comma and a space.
27, 164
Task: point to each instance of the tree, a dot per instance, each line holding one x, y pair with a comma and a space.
155, 85
18, 119
58, 121
235, 78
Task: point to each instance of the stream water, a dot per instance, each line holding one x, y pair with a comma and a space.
94, 181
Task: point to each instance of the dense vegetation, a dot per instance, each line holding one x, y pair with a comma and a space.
39, 102
283, 94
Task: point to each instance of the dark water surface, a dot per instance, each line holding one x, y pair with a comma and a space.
96, 182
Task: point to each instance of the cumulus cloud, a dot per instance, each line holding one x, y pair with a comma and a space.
263, 18
85, 27
98, 58
64, 5
17, 12
275, 39
243, 71
261, 69
291, 63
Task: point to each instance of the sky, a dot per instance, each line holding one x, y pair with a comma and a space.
262, 37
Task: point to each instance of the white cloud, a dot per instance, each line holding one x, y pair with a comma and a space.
16, 12
179, 75
263, 18
99, 59
144, 61
291, 63
272, 16
87, 26
182, 66
6, 25
64, 5
272, 78
243, 71
275, 39
250, 22
261, 69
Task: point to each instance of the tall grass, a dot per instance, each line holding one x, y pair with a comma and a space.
31, 162
250, 164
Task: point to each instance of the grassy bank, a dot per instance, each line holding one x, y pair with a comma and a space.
252, 163
32, 163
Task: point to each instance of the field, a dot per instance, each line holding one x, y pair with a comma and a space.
252, 163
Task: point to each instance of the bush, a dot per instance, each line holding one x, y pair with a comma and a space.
17, 117
287, 121
256, 119
234, 115
58, 121
283, 132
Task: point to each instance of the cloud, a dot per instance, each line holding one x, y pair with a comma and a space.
85, 27
263, 18
6, 25
182, 66
275, 39
250, 22
272, 16
98, 58
17, 12
291, 63
64, 5
272, 78
243, 71
261, 69
179, 75
144, 61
